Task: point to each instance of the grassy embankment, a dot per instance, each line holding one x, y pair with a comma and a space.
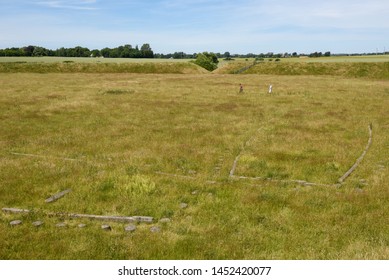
89, 65
123, 129
352, 68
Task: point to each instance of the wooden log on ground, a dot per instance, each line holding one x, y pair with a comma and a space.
141, 219
15, 210
133, 219
232, 171
300, 182
57, 196
351, 170
98, 217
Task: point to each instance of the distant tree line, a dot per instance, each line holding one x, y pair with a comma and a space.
145, 51
126, 51
228, 55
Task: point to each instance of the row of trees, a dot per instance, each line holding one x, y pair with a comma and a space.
228, 55
126, 51
145, 51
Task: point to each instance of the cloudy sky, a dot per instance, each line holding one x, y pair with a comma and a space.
237, 26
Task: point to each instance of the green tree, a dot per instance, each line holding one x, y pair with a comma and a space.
13, 52
146, 51
212, 57
207, 60
60, 52
39, 51
95, 53
178, 55
114, 53
126, 51
136, 53
81, 52
105, 52
28, 51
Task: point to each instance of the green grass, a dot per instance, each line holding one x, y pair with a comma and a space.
298, 67
373, 70
126, 131
362, 58
145, 67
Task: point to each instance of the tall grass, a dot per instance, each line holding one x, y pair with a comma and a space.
143, 144
373, 70
295, 67
80, 67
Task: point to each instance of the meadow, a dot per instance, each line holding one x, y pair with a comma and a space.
163, 141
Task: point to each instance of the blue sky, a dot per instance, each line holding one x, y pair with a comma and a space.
244, 26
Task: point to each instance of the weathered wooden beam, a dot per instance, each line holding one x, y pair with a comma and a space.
143, 219
43, 156
232, 171
299, 182
132, 219
98, 217
351, 170
15, 210
57, 196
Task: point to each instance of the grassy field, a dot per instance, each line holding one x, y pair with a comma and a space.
164, 145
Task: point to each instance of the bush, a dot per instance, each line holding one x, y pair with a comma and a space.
206, 60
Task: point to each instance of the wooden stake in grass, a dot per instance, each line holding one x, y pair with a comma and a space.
270, 89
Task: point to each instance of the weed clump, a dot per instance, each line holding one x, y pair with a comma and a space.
138, 185
118, 91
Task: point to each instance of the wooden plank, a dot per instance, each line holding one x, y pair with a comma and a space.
232, 171
15, 210
99, 217
144, 219
299, 182
57, 196
351, 170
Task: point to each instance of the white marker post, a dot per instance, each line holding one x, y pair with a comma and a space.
270, 89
